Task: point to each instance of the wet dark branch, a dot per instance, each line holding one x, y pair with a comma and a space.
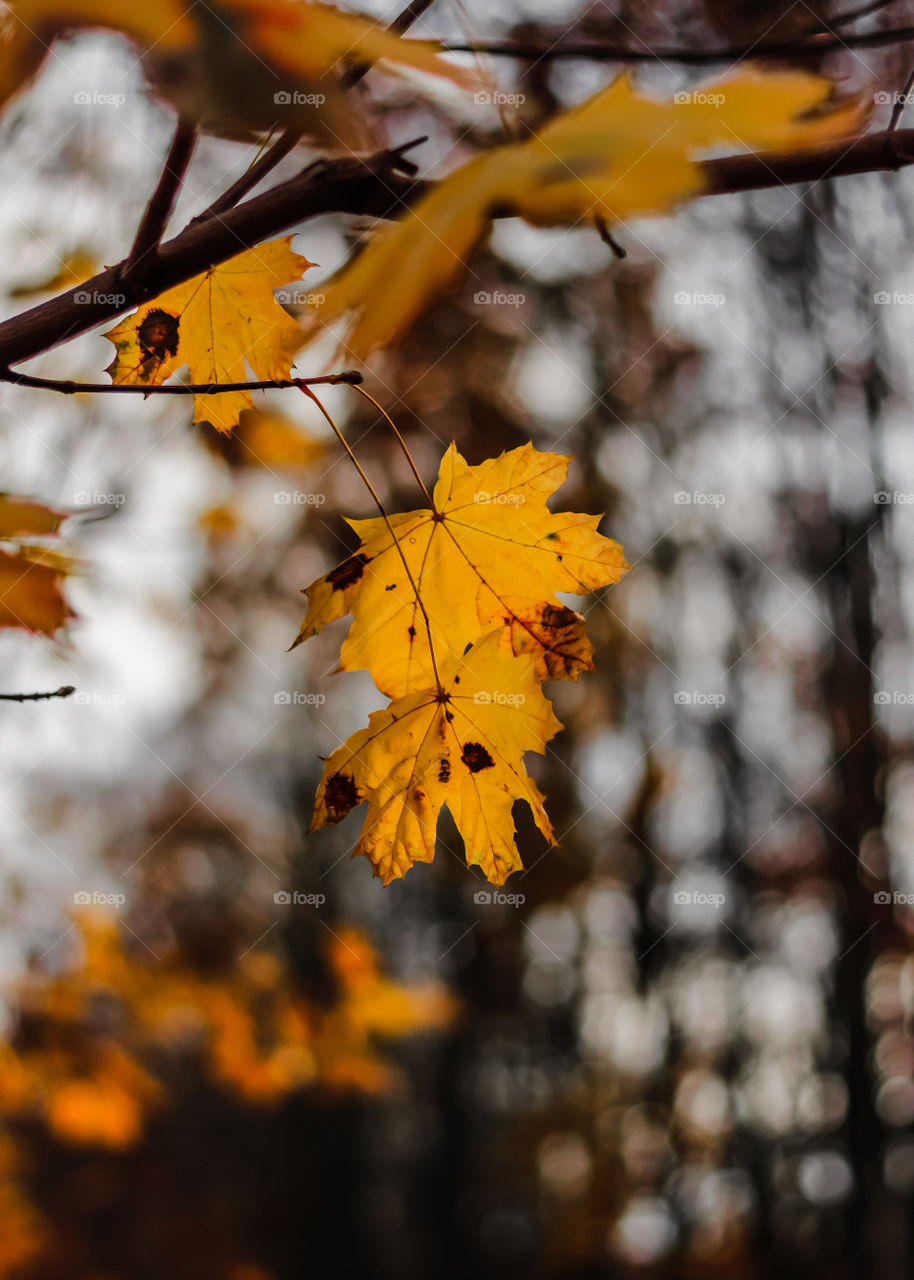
380, 186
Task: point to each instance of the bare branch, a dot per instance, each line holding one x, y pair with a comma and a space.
900, 103
140, 260
63, 692
376, 186
812, 46
349, 377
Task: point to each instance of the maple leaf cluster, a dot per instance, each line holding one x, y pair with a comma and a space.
455, 615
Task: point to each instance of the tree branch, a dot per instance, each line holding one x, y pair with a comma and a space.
378, 187
851, 15
63, 692
348, 377
374, 186
158, 211
813, 46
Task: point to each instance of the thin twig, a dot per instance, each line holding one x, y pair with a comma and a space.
161, 203
63, 692
403, 21
390, 529
402, 443
807, 47
607, 237
267, 161
901, 101
349, 377
851, 15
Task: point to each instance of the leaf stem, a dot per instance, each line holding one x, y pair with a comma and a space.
390, 529
402, 443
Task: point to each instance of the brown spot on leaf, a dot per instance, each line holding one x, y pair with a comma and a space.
412, 633
444, 769
350, 571
557, 615
158, 335
340, 795
475, 757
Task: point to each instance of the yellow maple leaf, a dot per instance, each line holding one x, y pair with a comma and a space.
31, 590
231, 64
312, 38
616, 155
462, 748
270, 439
24, 518
216, 324
491, 554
